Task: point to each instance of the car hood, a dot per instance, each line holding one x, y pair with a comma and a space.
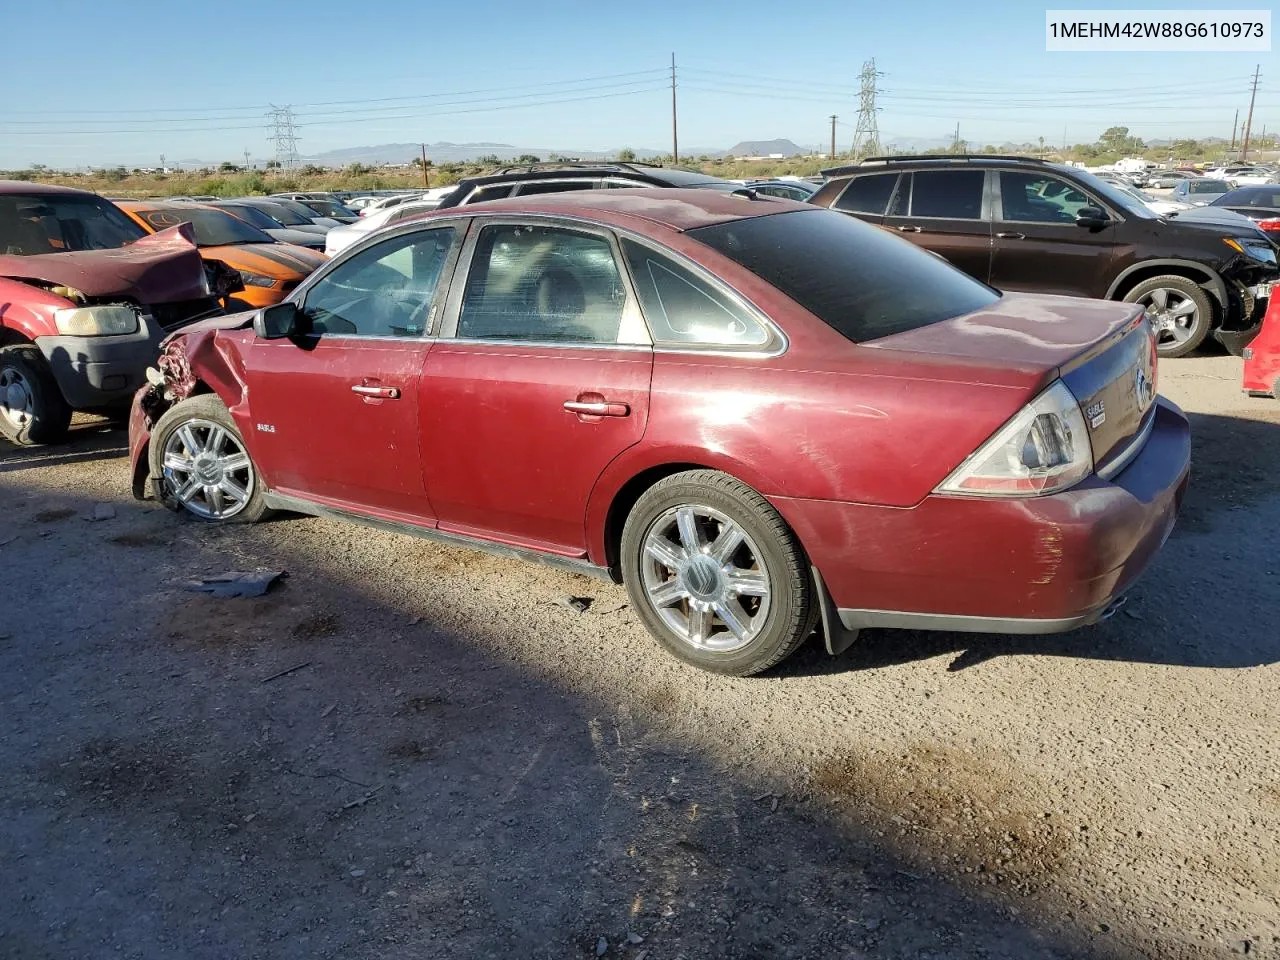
1213, 220
282, 260
1029, 332
162, 267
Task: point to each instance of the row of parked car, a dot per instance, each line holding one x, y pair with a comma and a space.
759, 414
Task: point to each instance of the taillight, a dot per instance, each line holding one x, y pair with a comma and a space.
1044, 449
1270, 226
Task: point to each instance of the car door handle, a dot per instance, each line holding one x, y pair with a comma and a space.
382, 393
906, 229
597, 408
1011, 236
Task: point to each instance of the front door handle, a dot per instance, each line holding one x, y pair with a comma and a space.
382, 393
597, 408
1011, 236
906, 229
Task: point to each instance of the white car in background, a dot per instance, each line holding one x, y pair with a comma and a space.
1159, 207
339, 238
1243, 176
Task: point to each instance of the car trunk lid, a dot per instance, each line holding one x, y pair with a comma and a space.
1103, 351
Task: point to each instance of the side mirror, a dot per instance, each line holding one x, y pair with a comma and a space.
1092, 217
276, 322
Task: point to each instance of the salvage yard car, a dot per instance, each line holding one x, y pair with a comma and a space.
755, 413
1028, 225
268, 270
85, 298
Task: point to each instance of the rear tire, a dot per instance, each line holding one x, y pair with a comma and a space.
204, 465
716, 575
32, 409
1178, 308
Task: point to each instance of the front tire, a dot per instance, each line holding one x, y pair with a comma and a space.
32, 409
1178, 308
716, 575
203, 463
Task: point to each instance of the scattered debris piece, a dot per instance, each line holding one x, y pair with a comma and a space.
580, 604
357, 873
362, 801
285, 673
602, 946
237, 583
634, 938
7, 540
101, 511
1132, 614
329, 709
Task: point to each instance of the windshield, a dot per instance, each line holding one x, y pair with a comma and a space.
857, 278
252, 215
689, 178
1117, 196
1207, 185
327, 208
282, 213
213, 228
293, 206
59, 223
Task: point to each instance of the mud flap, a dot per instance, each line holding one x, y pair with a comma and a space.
838, 637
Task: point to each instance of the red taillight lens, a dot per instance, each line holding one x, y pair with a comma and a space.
1270, 226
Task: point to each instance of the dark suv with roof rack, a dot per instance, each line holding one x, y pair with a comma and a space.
561, 176
1023, 224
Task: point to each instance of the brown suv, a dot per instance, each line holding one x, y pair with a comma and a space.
1027, 225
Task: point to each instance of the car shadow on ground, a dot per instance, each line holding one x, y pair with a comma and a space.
91, 438
330, 771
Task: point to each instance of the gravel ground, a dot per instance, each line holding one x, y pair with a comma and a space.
463, 765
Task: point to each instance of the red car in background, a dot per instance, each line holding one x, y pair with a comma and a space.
1262, 355
756, 413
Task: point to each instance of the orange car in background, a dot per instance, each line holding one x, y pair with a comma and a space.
269, 269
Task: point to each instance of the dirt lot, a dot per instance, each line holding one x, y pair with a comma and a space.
465, 766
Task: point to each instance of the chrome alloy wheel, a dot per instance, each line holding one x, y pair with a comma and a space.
1173, 315
705, 578
208, 470
17, 402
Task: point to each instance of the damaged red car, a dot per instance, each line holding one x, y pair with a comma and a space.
85, 299
758, 415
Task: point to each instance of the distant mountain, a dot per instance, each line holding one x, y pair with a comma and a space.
764, 148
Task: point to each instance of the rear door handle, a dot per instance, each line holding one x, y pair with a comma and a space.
382, 393
1011, 236
597, 408
905, 229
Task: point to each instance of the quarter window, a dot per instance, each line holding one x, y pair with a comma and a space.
1035, 198
385, 291
867, 194
543, 283
947, 194
681, 307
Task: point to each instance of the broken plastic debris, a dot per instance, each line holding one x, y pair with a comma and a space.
237, 583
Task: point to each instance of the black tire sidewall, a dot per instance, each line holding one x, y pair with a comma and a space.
790, 601
205, 406
1188, 288
51, 415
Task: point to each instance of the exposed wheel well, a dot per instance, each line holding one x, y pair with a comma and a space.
625, 499
1200, 277
10, 337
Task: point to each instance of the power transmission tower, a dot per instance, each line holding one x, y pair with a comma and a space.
246, 158
284, 135
866, 133
1248, 123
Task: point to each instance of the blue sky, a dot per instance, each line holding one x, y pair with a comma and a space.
124, 83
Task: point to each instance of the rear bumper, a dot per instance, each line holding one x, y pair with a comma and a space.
1037, 565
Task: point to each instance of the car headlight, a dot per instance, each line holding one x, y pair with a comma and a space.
109, 320
1253, 248
256, 279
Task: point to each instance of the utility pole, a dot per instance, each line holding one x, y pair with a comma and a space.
246, 158
675, 142
866, 133
1248, 124
425, 181
1234, 124
832, 155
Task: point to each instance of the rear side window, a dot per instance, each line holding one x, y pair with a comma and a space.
490, 193
857, 278
867, 194
947, 194
681, 307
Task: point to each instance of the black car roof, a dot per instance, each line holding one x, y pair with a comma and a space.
934, 159
641, 172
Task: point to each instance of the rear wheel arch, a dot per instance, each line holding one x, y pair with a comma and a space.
624, 499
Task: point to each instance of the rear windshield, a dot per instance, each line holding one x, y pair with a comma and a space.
32, 224
1208, 185
251, 215
327, 208
282, 213
212, 228
857, 278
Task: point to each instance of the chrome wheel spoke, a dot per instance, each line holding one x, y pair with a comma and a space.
233, 490
699, 626
687, 524
1160, 299
215, 440
749, 583
727, 543
189, 440
213, 496
234, 461
175, 461
728, 611
1186, 308
666, 594
188, 489
665, 552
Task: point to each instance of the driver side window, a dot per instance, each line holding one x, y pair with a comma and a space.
384, 291
1036, 198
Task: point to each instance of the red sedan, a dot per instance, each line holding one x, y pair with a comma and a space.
757, 414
